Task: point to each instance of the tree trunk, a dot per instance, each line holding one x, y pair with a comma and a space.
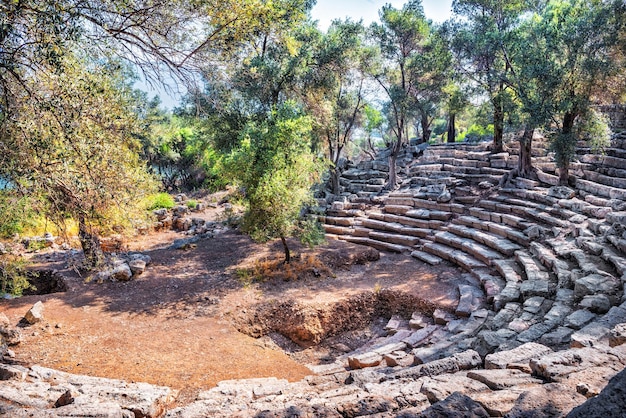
392, 183
452, 128
334, 181
525, 164
566, 131
564, 174
287, 252
426, 131
498, 126
94, 256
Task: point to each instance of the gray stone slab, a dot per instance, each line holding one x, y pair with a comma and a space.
498, 379
550, 400
438, 388
579, 319
419, 336
521, 354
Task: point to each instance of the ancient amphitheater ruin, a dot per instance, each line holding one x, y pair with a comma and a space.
539, 331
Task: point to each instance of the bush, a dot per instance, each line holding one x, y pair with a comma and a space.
13, 279
17, 214
160, 201
476, 133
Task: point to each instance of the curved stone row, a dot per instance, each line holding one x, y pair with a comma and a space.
541, 253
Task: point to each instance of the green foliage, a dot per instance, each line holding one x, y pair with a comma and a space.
594, 129
17, 213
477, 133
311, 232
159, 201
179, 150
191, 204
13, 278
275, 168
72, 145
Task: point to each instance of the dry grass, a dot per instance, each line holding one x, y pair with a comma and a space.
275, 269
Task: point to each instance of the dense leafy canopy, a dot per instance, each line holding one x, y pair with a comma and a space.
270, 94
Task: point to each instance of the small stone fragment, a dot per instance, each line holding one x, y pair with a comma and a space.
66, 399
35, 314
137, 267
122, 273
617, 335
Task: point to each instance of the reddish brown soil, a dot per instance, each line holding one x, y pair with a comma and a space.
173, 325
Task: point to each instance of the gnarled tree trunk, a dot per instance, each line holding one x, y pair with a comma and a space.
94, 256
525, 164
426, 131
567, 130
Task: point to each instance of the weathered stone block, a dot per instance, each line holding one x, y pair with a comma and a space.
521, 354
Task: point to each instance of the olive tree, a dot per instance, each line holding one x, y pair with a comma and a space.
276, 170
72, 143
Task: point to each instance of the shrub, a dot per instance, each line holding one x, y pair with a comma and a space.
17, 214
476, 133
160, 201
192, 204
13, 279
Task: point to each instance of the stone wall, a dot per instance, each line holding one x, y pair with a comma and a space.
616, 114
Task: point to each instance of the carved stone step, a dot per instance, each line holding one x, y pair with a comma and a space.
468, 245
407, 221
431, 259
598, 189
490, 234
605, 180
458, 257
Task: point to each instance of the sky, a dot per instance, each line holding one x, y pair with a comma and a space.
325, 11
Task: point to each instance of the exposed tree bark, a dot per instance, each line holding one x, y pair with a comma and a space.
392, 182
498, 125
286, 248
452, 127
525, 164
566, 131
334, 181
426, 131
94, 256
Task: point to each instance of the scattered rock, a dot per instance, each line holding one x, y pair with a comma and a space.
11, 334
442, 317
34, 314
137, 267
561, 192
66, 399
122, 272
618, 335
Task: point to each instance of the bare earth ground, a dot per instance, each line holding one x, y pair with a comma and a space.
174, 325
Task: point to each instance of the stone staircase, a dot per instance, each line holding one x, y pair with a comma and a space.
541, 253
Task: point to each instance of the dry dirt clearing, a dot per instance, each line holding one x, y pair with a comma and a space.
179, 323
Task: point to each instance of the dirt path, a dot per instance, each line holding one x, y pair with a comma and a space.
173, 325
